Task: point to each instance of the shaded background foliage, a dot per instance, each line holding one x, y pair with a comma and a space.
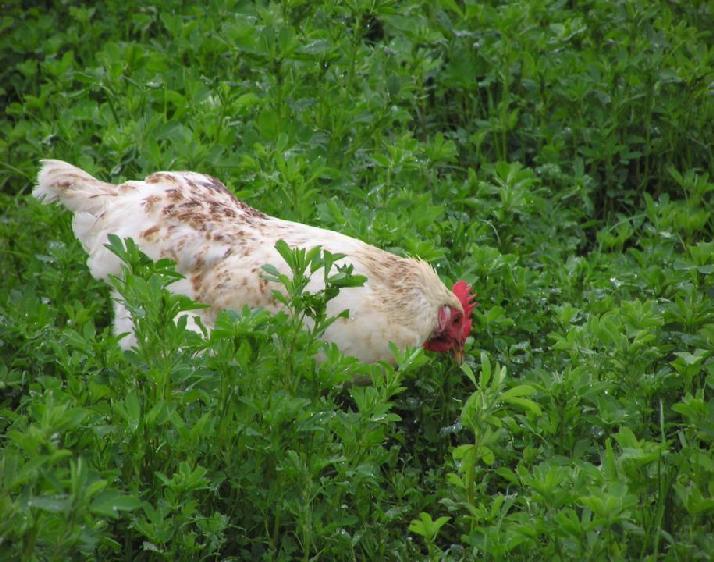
556, 153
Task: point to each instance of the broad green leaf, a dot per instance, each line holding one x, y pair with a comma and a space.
55, 503
111, 502
525, 404
516, 391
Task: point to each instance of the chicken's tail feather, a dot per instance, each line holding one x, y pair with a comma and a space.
73, 187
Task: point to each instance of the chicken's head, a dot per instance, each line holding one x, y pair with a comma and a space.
453, 324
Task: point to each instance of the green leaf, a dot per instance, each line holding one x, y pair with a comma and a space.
285, 252
111, 502
516, 391
466, 369
55, 504
426, 527
525, 404
485, 370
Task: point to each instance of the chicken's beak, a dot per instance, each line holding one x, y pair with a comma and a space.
459, 355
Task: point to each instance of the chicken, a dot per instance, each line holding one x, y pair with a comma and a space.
219, 245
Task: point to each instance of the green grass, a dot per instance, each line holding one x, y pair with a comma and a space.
556, 154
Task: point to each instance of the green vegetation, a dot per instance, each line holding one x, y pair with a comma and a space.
556, 154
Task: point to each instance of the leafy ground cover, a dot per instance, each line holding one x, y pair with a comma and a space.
557, 154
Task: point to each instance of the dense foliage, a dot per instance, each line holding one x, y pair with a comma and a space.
556, 154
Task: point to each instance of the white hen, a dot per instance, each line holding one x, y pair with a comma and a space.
219, 244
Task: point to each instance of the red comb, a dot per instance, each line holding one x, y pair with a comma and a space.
462, 290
